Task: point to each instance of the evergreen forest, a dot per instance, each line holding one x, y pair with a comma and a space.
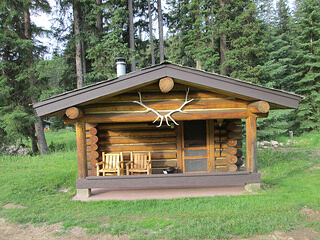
271, 43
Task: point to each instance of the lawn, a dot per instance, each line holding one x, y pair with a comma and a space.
291, 182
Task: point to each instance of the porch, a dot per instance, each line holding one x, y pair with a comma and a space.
167, 181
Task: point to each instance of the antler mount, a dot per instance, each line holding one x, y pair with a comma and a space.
169, 114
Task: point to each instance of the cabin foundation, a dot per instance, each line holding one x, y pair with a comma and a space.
83, 192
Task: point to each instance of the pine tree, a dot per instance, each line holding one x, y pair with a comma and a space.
278, 68
307, 63
244, 33
18, 77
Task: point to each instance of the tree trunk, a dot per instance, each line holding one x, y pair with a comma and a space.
160, 24
41, 136
223, 44
99, 23
131, 36
38, 124
212, 33
153, 61
33, 138
80, 58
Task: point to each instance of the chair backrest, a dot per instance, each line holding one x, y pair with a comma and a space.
112, 159
140, 159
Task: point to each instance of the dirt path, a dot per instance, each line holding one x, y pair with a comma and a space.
9, 231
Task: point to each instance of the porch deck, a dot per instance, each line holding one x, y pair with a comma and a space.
101, 194
169, 181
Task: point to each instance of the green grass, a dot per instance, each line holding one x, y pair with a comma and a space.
63, 140
290, 179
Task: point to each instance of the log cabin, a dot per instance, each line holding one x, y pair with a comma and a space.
191, 121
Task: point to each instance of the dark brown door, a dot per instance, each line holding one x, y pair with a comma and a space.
195, 156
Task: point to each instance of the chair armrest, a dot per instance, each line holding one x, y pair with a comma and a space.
100, 163
120, 163
127, 164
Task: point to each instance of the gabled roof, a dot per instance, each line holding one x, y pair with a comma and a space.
184, 75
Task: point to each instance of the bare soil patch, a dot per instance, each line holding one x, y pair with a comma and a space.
50, 232
300, 234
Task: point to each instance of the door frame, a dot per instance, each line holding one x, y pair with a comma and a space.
210, 146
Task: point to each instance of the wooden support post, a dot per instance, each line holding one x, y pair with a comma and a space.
179, 131
251, 132
210, 144
81, 150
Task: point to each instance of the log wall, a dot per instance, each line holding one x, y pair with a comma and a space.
228, 144
132, 135
161, 142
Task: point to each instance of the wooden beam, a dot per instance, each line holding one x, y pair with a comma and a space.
132, 140
147, 96
81, 150
227, 113
251, 132
160, 132
179, 131
210, 144
169, 104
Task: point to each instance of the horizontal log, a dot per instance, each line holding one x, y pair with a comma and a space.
228, 158
225, 145
94, 147
231, 142
259, 107
231, 126
164, 163
89, 156
231, 150
74, 113
225, 121
94, 155
92, 172
222, 131
93, 131
127, 140
164, 105
151, 96
155, 155
94, 139
90, 125
145, 133
150, 117
224, 138
123, 148
93, 163
224, 152
129, 125
227, 168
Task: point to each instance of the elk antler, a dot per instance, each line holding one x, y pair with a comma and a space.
148, 109
168, 115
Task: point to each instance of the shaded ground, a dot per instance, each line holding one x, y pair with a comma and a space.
55, 231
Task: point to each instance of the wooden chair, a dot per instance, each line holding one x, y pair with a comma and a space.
112, 164
139, 163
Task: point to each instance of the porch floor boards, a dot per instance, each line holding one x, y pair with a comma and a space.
100, 194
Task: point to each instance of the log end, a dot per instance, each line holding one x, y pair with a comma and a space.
74, 112
166, 84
